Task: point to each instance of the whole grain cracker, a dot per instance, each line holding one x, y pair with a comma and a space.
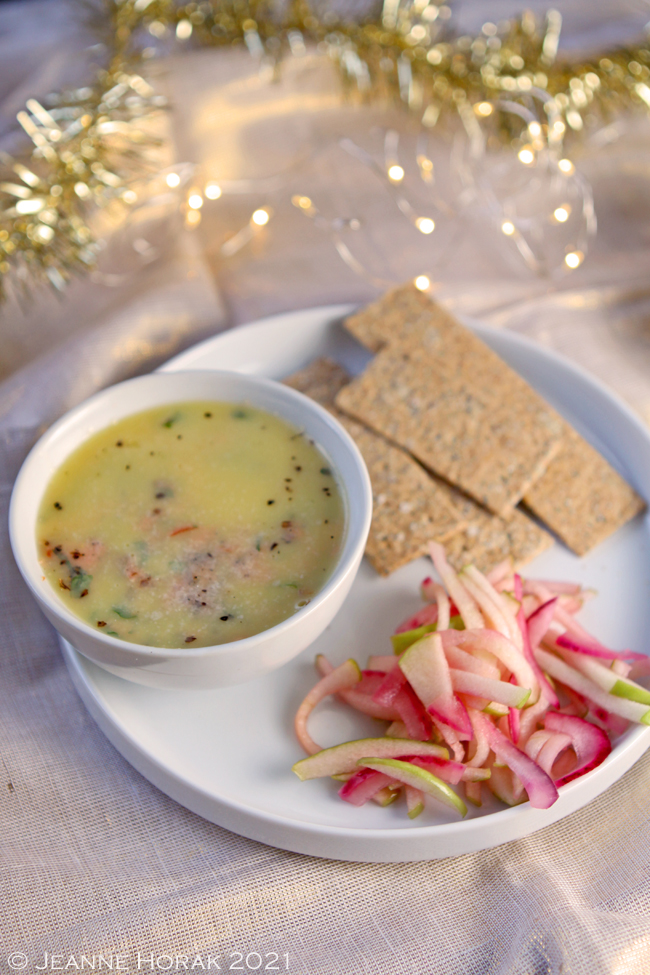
460, 410
401, 312
581, 497
410, 508
488, 540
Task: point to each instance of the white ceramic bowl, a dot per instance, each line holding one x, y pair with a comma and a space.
228, 663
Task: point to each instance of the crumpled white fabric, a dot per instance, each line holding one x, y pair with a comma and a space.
94, 860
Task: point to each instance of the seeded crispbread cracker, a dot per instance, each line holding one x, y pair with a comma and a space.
488, 540
401, 312
443, 395
320, 380
410, 508
581, 497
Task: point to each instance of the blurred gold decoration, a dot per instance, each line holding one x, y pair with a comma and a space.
507, 84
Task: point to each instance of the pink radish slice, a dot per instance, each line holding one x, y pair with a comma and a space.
410, 710
382, 662
363, 785
390, 687
546, 691
539, 786
365, 704
514, 723
448, 770
500, 647
341, 678
591, 744
557, 588
425, 616
544, 747
462, 660
467, 608
595, 649
450, 738
501, 572
539, 622
432, 592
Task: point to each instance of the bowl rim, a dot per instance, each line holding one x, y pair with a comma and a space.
356, 528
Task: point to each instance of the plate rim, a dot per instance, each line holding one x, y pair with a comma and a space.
297, 835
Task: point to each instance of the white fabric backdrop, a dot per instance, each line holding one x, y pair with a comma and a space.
93, 859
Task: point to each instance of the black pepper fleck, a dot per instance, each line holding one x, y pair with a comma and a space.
190, 639
58, 506
101, 623
270, 502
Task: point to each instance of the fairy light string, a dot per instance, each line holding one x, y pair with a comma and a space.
507, 85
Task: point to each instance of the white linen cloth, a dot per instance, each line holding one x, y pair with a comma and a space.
93, 859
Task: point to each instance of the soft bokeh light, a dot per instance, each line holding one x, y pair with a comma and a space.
396, 173
195, 201
526, 156
422, 282
566, 166
260, 217
425, 225
212, 191
173, 180
574, 259
507, 228
562, 213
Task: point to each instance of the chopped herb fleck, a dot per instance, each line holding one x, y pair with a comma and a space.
239, 414
112, 633
170, 421
208, 415
326, 471
297, 468
119, 443
124, 613
275, 545
79, 583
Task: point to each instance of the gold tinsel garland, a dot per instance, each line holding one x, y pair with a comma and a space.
90, 145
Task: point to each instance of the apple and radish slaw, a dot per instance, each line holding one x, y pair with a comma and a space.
492, 684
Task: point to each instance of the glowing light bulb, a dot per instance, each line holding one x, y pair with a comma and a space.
507, 228
195, 201
422, 282
173, 180
425, 225
212, 191
574, 259
260, 217
396, 173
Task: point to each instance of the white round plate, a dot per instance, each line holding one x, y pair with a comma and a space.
227, 754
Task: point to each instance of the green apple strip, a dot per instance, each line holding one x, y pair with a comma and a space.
345, 757
414, 801
494, 690
631, 710
605, 677
417, 778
